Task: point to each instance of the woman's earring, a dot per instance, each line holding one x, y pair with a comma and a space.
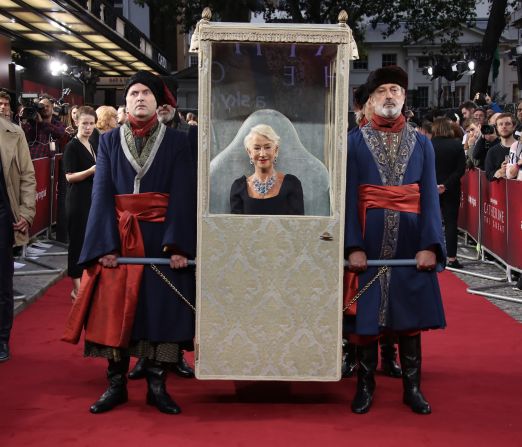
252, 162
275, 160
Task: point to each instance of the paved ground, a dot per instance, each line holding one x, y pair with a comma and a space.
31, 281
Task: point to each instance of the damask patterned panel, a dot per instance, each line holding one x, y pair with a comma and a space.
274, 315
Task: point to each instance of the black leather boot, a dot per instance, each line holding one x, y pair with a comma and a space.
116, 394
157, 393
182, 368
367, 364
140, 370
411, 359
349, 363
389, 364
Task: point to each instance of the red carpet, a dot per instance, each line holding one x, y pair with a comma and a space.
472, 378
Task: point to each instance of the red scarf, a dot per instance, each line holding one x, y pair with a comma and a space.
388, 125
363, 122
142, 129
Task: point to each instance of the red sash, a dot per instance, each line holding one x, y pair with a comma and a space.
398, 198
108, 296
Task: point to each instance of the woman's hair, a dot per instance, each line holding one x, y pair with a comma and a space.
86, 110
442, 127
105, 113
191, 117
265, 131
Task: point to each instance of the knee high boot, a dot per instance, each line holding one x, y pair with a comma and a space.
116, 393
367, 364
349, 363
156, 390
182, 368
140, 369
411, 359
389, 363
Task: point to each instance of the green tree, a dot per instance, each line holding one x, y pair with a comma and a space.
496, 23
422, 19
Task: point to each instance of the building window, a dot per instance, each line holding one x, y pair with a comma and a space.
422, 98
389, 59
423, 61
361, 63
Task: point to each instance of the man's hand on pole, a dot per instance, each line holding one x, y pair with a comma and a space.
178, 262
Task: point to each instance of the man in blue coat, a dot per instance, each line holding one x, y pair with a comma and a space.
143, 204
392, 213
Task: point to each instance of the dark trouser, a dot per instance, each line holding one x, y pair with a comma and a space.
6, 277
449, 206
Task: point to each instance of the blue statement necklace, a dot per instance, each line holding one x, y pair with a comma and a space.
263, 188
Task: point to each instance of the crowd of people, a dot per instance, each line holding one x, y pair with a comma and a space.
131, 172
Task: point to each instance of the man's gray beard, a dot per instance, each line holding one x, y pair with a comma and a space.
386, 112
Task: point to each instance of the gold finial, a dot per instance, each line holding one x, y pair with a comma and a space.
206, 14
342, 18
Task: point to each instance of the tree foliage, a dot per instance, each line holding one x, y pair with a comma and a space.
422, 19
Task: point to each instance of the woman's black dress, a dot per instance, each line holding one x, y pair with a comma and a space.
289, 201
77, 158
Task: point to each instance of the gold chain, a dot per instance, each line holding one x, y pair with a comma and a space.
381, 272
172, 286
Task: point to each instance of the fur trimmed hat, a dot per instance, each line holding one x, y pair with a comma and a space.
360, 96
391, 74
155, 84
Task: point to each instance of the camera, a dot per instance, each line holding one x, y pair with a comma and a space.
31, 106
60, 107
487, 129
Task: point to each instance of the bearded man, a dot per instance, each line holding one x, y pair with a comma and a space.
143, 204
392, 213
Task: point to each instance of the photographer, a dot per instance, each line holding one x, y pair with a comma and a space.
487, 138
497, 157
41, 128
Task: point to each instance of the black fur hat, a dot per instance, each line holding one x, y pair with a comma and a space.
392, 74
361, 95
151, 81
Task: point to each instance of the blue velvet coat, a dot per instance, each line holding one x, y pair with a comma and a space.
161, 315
405, 299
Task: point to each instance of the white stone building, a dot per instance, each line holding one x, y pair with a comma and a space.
379, 51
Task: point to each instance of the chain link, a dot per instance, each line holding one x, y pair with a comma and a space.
381, 272
172, 286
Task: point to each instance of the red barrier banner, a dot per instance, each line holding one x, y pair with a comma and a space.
493, 204
471, 186
514, 226
57, 160
42, 218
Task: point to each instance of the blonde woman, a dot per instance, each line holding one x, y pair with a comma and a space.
107, 118
266, 191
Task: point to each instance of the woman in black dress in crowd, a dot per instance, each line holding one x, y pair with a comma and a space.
450, 164
80, 164
266, 191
